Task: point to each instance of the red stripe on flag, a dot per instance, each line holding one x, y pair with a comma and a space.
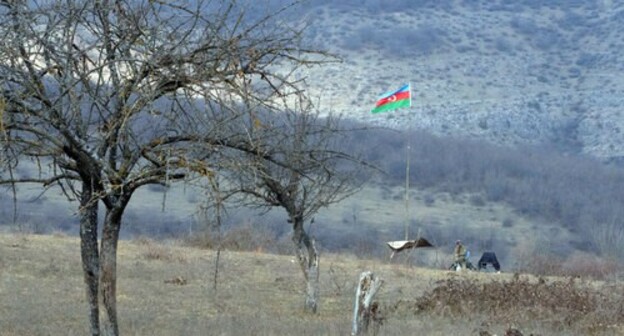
395, 97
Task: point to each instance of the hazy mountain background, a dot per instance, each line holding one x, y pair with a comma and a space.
507, 71
515, 131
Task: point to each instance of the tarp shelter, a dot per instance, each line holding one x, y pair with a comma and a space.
400, 245
489, 257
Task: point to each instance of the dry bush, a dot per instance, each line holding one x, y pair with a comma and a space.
567, 304
576, 265
541, 264
157, 251
248, 238
339, 280
51, 268
58, 233
582, 265
239, 238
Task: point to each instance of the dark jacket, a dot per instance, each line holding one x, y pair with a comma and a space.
489, 258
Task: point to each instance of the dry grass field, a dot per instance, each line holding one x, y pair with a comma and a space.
166, 288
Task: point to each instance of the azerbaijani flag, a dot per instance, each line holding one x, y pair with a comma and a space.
394, 100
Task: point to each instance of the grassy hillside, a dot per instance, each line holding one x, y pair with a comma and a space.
509, 72
167, 289
359, 225
520, 204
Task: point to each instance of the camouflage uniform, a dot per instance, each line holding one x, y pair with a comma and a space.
460, 254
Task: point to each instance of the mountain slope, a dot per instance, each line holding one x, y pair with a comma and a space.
528, 72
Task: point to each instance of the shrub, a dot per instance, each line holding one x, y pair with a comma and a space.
583, 265
572, 303
477, 200
508, 222
429, 200
246, 237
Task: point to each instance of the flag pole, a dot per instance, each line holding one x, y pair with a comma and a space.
387, 102
407, 169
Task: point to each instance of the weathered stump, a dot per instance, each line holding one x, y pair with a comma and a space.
366, 312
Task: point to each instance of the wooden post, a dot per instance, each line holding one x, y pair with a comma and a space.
365, 309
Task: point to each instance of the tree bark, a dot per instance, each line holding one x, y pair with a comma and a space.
366, 311
309, 259
108, 268
89, 253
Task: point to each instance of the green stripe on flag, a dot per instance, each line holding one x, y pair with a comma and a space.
391, 106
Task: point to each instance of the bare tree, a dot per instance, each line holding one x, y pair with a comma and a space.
113, 95
299, 165
8, 161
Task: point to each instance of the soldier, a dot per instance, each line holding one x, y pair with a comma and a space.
460, 254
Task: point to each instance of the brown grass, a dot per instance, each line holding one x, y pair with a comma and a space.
563, 304
166, 289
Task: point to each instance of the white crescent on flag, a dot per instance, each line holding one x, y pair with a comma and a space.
394, 100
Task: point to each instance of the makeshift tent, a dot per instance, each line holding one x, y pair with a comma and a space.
489, 257
400, 245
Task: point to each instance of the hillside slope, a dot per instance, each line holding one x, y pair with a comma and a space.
168, 289
510, 72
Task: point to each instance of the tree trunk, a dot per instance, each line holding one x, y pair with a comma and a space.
108, 268
309, 259
366, 312
89, 253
